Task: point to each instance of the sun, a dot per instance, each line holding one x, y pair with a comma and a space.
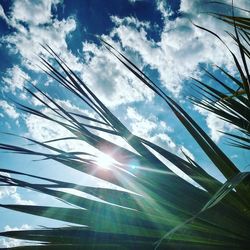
104, 161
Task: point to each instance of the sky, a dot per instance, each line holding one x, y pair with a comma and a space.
157, 35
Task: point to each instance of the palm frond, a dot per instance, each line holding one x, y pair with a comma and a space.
151, 206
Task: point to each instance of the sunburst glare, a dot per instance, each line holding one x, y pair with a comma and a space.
104, 161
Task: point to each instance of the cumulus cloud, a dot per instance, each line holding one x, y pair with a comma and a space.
23, 10
164, 8
40, 28
215, 124
155, 131
140, 125
14, 79
6, 191
129, 20
11, 193
9, 110
8, 242
27, 42
43, 130
167, 142
175, 56
23, 227
182, 47
20, 201
112, 82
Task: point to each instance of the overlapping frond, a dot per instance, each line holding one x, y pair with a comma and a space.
152, 207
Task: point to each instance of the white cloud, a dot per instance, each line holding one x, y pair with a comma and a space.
8, 242
11, 193
2, 14
23, 10
23, 227
165, 127
6, 191
234, 156
197, 6
43, 130
19, 200
27, 42
41, 28
155, 131
112, 82
182, 47
129, 20
140, 126
215, 124
165, 141
15, 79
176, 56
133, 1
184, 150
164, 8
8, 109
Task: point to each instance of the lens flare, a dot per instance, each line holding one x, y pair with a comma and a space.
104, 161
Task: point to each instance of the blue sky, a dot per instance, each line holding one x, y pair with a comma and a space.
156, 35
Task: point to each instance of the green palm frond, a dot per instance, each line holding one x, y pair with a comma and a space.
232, 103
152, 206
